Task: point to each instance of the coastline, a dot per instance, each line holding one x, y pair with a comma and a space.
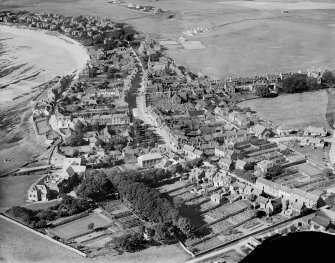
19, 141
44, 55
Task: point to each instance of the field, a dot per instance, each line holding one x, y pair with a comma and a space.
13, 189
296, 110
243, 37
79, 227
20, 245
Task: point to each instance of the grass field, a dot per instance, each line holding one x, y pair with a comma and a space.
13, 189
78, 227
296, 110
20, 245
243, 37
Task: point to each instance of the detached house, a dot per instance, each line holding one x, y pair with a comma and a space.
261, 132
149, 160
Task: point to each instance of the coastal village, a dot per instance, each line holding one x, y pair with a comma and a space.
144, 152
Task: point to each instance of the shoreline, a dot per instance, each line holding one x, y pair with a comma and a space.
21, 101
47, 55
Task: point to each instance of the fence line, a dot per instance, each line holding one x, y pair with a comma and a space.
44, 236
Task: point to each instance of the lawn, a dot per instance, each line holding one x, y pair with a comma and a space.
79, 227
295, 110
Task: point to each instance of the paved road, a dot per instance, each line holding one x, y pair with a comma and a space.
140, 111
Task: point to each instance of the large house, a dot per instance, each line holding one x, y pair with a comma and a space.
149, 160
261, 131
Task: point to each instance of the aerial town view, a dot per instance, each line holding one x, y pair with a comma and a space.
198, 131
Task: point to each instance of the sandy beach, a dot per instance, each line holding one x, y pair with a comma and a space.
39, 57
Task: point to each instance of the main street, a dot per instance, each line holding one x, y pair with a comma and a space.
140, 111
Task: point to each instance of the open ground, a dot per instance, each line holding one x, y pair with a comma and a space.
243, 38
13, 189
295, 110
20, 245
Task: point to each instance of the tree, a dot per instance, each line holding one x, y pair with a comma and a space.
129, 243
186, 226
150, 232
177, 168
41, 224
295, 83
262, 90
67, 185
75, 139
90, 225
72, 205
178, 202
95, 185
311, 83
47, 215
329, 77
162, 232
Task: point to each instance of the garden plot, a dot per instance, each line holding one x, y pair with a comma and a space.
80, 226
100, 242
187, 196
130, 221
250, 224
221, 226
208, 244
178, 192
224, 210
239, 218
168, 188
227, 238
89, 236
207, 205
103, 240
117, 209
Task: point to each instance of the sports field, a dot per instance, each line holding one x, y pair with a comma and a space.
79, 227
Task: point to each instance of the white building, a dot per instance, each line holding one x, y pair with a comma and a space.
149, 160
